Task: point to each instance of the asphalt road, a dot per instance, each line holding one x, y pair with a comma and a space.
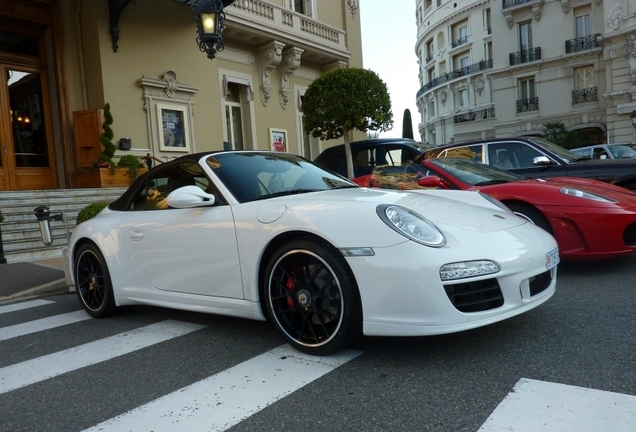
584, 336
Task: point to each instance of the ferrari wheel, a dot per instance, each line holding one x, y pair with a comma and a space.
312, 298
92, 280
530, 213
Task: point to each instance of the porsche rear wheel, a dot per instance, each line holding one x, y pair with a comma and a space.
312, 298
92, 281
530, 213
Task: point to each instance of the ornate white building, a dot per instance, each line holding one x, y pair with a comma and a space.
505, 67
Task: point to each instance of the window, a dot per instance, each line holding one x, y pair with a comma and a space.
583, 25
463, 32
464, 62
303, 6
462, 97
431, 75
431, 108
520, 155
525, 36
488, 51
526, 88
154, 193
234, 116
487, 23
584, 78
429, 49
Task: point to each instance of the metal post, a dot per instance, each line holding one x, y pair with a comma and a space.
3, 260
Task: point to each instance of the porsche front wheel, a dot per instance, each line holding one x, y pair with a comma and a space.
92, 281
531, 214
312, 298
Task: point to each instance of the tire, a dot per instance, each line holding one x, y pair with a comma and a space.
93, 283
531, 214
312, 299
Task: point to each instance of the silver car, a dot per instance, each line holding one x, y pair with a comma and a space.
608, 151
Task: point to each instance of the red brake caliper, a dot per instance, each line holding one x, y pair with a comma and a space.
290, 286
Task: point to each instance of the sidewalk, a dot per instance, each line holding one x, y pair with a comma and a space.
22, 280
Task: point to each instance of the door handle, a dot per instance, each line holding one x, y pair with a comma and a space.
135, 234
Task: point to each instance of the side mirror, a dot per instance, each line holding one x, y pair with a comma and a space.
541, 160
433, 182
190, 197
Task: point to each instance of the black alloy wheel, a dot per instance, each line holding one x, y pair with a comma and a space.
531, 214
92, 281
312, 298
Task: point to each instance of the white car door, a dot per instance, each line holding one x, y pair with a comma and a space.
188, 250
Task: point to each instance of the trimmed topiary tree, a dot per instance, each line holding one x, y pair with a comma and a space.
343, 100
106, 138
407, 125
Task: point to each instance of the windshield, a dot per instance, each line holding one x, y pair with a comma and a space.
474, 173
565, 154
622, 150
257, 175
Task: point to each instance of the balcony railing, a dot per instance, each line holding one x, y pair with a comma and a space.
429, 58
530, 104
525, 56
460, 41
475, 115
582, 44
584, 95
482, 65
510, 3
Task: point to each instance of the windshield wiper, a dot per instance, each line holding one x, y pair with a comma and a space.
289, 192
491, 182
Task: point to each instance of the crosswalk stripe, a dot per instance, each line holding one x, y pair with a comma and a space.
41, 368
539, 406
24, 305
42, 324
223, 400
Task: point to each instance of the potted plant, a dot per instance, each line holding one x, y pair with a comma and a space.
132, 163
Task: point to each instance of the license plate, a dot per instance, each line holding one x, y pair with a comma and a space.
552, 259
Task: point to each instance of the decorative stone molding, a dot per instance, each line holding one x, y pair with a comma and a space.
631, 59
442, 97
269, 56
335, 65
565, 4
290, 62
479, 86
509, 20
615, 18
166, 88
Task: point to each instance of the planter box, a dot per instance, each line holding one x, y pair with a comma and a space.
103, 178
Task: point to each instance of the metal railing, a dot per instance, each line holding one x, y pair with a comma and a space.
525, 56
582, 43
460, 41
474, 115
429, 58
584, 95
510, 3
530, 104
457, 73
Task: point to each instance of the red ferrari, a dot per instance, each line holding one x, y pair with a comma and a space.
590, 219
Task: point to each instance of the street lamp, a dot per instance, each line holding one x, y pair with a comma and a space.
632, 116
210, 20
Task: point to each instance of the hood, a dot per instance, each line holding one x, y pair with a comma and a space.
597, 187
448, 210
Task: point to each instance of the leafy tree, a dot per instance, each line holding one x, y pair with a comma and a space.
343, 100
557, 133
407, 125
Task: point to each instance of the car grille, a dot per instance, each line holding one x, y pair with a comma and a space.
475, 296
539, 283
629, 236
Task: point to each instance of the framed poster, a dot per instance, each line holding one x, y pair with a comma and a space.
173, 127
278, 139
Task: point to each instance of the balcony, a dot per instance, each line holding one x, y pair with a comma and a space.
459, 42
487, 113
525, 105
584, 95
525, 56
582, 44
257, 22
511, 3
457, 73
429, 59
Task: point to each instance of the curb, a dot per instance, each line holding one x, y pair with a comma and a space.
59, 286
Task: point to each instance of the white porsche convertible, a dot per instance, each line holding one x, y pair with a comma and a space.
266, 235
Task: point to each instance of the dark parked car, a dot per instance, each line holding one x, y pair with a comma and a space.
371, 153
535, 157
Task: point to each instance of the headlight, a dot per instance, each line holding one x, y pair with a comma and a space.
495, 202
411, 225
587, 195
467, 269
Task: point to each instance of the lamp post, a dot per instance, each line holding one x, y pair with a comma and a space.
210, 20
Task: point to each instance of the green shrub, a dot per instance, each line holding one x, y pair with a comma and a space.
131, 162
90, 211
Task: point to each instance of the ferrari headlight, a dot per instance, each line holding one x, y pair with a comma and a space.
411, 225
467, 269
586, 195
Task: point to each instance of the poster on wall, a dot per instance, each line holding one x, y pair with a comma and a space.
173, 128
278, 138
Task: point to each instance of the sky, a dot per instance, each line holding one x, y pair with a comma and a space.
389, 34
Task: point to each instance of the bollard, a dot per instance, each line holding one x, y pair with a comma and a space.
43, 214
